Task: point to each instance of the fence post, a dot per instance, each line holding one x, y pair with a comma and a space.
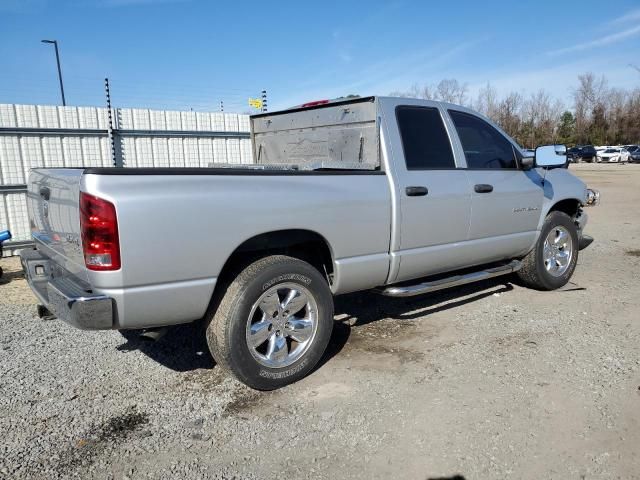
116, 153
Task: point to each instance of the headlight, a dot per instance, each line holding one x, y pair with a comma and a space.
592, 198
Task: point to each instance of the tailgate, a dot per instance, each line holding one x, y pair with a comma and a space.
53, 201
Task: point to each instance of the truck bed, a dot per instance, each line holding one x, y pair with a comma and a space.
178, 226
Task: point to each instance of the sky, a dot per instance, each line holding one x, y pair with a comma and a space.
180, 54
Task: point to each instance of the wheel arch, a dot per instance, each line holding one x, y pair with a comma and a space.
570, 206
304, 244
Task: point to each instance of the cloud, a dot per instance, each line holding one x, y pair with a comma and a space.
600, 42
345, 57
558, 80
379, 77
630, 16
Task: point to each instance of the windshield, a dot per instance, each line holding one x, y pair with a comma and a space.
611, 150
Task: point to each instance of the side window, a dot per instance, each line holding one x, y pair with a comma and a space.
424, 139
483, 145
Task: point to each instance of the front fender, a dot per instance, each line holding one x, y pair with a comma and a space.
560, 186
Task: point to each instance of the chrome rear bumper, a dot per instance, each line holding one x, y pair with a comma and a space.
64, 297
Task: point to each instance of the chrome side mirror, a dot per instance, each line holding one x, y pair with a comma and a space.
551, 156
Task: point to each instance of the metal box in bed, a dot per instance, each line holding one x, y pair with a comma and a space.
341, 134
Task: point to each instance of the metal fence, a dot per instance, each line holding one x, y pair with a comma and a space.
33, 136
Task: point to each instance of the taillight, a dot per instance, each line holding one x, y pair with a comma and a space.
99, 226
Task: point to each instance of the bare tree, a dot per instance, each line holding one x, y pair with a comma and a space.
450, 90
415, 91
487, 102
588, 97
601, 115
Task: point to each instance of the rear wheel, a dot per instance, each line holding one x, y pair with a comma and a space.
273, 323
553, 260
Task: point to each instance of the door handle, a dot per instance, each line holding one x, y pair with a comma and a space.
483, 188
416, 191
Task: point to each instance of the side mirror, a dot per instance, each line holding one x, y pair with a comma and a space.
551, 156
527, 162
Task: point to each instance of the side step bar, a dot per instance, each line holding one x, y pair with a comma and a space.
453, 281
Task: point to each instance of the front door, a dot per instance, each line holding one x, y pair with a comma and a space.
506, 200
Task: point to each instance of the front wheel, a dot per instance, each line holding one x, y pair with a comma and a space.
273, 323
553, 260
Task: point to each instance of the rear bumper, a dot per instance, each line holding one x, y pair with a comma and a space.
65, 297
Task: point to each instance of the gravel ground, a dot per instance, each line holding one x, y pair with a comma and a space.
488, 381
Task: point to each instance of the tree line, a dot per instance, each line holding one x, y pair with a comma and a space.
598, 115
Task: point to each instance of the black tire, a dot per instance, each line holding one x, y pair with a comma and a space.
533, 272
227, 326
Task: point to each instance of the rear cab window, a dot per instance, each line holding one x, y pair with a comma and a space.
425, 141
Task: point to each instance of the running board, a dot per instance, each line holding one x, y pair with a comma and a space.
453, 281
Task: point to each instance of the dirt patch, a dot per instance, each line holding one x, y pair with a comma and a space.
247, 402
379, 347
206, 380
386, 337
99, 438
519, 342
243, 404
633, 253
385, 328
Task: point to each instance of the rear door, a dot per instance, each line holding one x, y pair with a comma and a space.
505, 200
432, 193
53, 202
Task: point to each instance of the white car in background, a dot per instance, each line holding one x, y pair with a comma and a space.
613, 155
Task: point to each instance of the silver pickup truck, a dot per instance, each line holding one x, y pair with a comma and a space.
399, 195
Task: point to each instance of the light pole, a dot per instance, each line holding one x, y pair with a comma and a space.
55, 45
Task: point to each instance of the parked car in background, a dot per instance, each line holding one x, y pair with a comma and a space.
613, 155
582, 153
573, 155
631, 148
634, 156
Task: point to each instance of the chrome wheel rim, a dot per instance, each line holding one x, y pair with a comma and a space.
558, 251
282, 325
